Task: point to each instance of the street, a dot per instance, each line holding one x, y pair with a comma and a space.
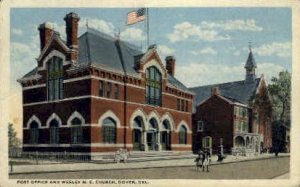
257, 169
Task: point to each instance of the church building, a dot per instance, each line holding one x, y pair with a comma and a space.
96, 93
233, 116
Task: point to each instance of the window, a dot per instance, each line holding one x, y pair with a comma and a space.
153, 86
182, 135
34, 133
200, 126
178, 104
55, 78
109, 131
54, 132
186, 106
101, 89
76, 131
108, 90
182, 105
116, 91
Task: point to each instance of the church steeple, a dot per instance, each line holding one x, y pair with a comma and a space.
250, 66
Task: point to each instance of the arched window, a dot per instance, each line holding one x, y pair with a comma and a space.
54, 132
55, 78
182, 135
34, 133
109, 131
153, 87
76, 131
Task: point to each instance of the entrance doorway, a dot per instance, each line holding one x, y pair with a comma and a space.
137, 133
137, 139
165, 140
151, 139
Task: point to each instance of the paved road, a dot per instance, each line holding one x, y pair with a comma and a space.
258, 169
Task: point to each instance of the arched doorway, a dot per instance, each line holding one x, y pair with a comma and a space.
137, 133
239, 141
165, 135
152, 135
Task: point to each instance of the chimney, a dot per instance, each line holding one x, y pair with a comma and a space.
72, 35
215, 90
170, 65
46, 31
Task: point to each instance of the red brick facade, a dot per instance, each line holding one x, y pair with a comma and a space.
82, 99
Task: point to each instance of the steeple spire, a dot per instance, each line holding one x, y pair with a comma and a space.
250, 66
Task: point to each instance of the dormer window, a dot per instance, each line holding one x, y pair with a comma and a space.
153, 87
55, 78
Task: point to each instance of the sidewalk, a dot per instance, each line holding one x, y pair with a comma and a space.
90, 166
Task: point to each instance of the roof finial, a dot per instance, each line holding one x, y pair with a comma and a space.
117, 35
250, 46
87, 23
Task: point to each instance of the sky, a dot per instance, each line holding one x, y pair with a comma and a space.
210, 44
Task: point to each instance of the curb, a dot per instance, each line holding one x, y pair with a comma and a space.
109, 169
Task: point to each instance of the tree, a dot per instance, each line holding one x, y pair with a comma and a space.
280, 90
13, 140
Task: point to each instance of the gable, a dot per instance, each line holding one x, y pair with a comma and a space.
151, 58
56, 44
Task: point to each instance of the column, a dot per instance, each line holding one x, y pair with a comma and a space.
158, 141
144, 140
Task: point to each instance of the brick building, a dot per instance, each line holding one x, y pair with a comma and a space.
95, 93
234, 114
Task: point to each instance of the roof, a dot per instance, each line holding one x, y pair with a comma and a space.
173, 81
238, 91
106, 52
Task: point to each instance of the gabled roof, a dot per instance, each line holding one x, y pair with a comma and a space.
101, 50
238, 91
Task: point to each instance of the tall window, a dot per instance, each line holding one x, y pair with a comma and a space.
101, 89
182, 135
153, 89
54, 132
34, 133
108, 89
178, 104
109, 131
55, 78
76, 131
116, 91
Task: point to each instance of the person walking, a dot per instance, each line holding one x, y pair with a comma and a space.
206, 160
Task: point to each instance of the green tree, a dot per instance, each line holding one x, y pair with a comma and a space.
13, 140
280, 91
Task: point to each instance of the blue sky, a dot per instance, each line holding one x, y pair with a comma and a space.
210, 44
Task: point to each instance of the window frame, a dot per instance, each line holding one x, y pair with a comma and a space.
55, 86
153, 86
200, 123
109, 129
182, 135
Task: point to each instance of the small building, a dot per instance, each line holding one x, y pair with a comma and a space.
234, 115
96, 93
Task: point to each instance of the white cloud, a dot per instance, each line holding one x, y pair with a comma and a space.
164, 50
23, 59
98, 24
211, 31
186, 30
17, 32
236, 53
205, 51
197, 74
230, 25
133, 34
275, 48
